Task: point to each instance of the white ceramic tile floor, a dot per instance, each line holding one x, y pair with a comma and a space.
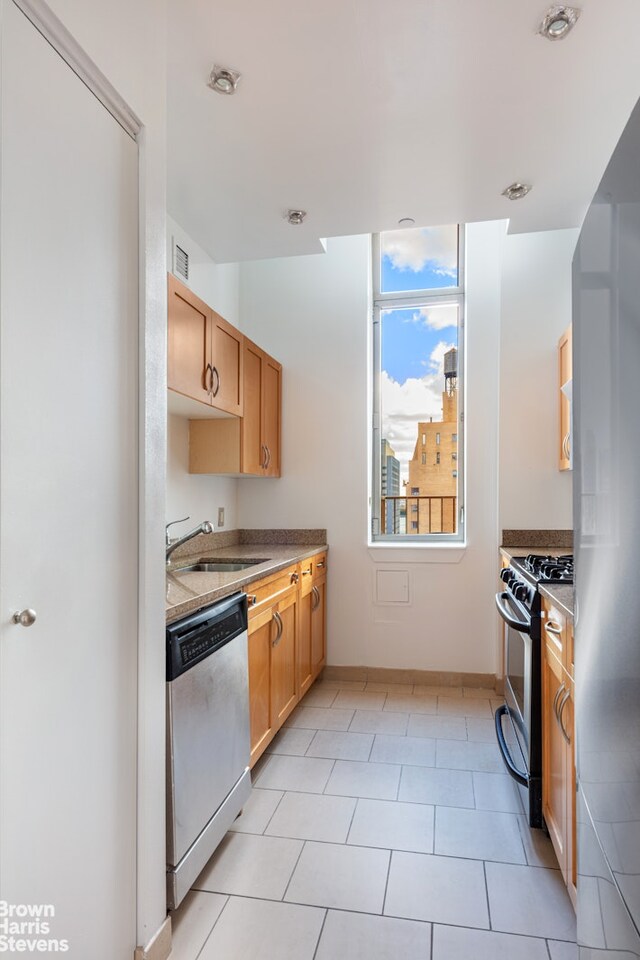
354, 844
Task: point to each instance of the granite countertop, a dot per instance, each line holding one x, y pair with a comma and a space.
187, 592
561, 594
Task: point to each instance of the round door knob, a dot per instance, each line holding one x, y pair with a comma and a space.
26, 618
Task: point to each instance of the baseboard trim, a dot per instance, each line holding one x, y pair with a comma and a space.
159, 947
436, 678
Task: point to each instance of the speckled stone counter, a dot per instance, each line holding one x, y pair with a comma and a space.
561, 594
187, 592
554, 541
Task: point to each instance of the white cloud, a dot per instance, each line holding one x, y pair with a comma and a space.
414, 249
437, 318
404, 405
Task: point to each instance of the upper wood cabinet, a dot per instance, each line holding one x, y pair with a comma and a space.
564, 377
249, 446
205, 353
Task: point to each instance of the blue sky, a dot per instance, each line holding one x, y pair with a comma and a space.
408, 341
395, 279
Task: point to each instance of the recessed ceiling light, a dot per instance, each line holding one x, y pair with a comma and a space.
406, 222
223, 80
516, 191
558, 22
295, 217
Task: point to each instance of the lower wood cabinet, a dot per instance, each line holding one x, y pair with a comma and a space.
287, 644
558, 750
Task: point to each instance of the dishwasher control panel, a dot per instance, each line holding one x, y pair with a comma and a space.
196, 637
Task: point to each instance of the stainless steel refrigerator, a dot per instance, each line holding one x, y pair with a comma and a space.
606, 457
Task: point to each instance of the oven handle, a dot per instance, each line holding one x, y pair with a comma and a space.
504, 749
522, 626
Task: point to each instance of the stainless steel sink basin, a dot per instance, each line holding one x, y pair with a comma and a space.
211, 565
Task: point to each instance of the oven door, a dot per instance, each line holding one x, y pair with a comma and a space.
513, 723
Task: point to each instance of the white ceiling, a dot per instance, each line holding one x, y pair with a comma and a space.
365, 111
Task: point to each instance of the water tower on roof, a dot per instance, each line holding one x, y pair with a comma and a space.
451, 371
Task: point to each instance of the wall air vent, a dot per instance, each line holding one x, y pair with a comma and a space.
180, 262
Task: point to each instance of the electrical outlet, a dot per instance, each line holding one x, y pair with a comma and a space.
221, 516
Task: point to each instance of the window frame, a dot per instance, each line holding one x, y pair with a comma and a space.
440, 296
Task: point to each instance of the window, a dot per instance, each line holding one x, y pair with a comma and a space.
414, 508
454, 473
418, 346
454, 456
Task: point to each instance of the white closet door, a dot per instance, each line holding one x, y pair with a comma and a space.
68, 500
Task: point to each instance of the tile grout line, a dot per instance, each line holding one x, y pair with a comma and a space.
215, 923
368, 913
353, 814
386, 884
433, 926
486, 891
295, 867
324, 920
275, 810
548, 948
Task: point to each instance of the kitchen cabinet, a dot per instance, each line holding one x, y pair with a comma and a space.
564, 401
558, 751
249, 446
272, 640
311, 654
205, 352
287, 644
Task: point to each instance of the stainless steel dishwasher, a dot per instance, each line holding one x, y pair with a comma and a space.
208, 742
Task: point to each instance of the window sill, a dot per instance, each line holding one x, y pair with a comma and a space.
425, 553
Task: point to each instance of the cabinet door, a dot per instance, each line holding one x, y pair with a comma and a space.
261, 632
568, 724
283, 659
318, 626
271, 405
226, 363
253, 455
189, 342
564, 374
303, 653
554, 775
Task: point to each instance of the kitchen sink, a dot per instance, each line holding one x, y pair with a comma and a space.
211, 565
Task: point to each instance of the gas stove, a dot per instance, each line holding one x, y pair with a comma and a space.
544, 569
518, 721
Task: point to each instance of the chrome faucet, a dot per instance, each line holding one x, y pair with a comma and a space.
206, 527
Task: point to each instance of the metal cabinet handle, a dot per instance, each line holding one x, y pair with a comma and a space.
566, 449
214, 392
268, 463
316, 594
280, 626
306, 573
294, 578
320, 564
252, 599
561, 707
263, 462
26, 618
559, 693
553, 628
206, 379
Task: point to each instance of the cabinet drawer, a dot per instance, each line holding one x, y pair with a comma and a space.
265, 592
554, 629
319, 565
305, 569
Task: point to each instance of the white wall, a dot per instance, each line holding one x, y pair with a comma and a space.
127, 41
313, 314
188, 494
536, 309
